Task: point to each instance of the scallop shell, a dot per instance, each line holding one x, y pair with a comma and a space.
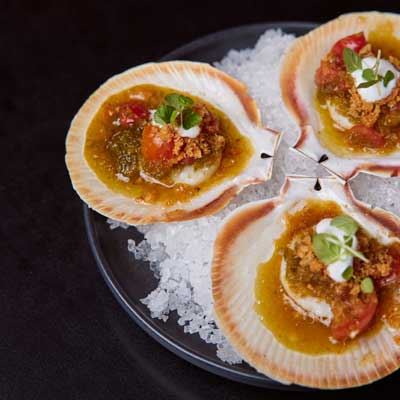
199, 79
298, 90
245, 240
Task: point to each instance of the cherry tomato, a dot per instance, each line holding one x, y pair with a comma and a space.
157, 145
129, 113
364, 136
355, 42
359, 320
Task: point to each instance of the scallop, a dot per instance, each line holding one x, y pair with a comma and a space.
198, 79
298, 91
246, 240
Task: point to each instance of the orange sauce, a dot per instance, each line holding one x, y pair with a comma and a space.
292, 329
383, 38
235, 157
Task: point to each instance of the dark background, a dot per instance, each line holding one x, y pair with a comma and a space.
62, 334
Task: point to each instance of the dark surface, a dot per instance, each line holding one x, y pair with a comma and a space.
63, 336
131, 280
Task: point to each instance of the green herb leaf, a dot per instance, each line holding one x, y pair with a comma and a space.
178, 101
325, 250
352, 60
346, 224
163, 114
348, 273
368, 74
367, 285
388, 77
365, 85
190, 119
174, 114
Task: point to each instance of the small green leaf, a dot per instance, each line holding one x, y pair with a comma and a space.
174, 114
190, 119
178, 101
368, 74
163, 114
346, 224
365, 85
367, 285
347, 273
388, 77
352, 60
324, 249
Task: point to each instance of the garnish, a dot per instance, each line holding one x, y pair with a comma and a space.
347, 273
367, 285
345, 224
190, 118
353, 62
388, 77
329, 248
177, 108
178, 101
164, 114
327, 251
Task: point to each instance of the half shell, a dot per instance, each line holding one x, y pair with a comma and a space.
298, 91
199, 79
245, 240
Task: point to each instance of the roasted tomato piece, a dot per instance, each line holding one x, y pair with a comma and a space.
395, 270
355, 42
357, 320
157, 144
129, 113
364, 136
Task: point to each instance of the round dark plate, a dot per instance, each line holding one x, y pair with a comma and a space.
131, 280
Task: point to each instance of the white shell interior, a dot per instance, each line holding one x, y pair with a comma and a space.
195, 79
255, 245
311, 49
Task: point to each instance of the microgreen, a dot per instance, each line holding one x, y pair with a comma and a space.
329, 248
345, 224
353, 62
190, 118
368, 74
178, 101
388, 77
177, 108
367, 285
163, 114
347, 273
325, 250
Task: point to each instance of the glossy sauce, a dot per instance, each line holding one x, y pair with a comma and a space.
235, 157
337, 140
292, 329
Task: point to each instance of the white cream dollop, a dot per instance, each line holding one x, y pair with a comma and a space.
377, 91
190, 133
336, 269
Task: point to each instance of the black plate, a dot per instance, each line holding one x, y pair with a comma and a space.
130, 280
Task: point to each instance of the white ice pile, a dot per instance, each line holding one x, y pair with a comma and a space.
180, 253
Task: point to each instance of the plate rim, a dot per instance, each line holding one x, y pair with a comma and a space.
225, 371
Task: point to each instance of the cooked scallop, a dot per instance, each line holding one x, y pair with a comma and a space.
280, 307
167, 142
341, 84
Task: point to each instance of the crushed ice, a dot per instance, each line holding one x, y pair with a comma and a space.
180, 253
